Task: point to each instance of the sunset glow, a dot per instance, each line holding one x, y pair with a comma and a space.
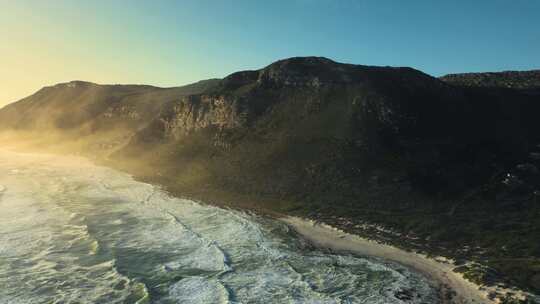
170, 43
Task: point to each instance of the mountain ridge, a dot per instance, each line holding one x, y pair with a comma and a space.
506, 79
450, 164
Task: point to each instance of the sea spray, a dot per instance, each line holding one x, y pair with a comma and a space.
75, 232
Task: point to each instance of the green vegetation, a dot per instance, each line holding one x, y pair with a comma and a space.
387, 153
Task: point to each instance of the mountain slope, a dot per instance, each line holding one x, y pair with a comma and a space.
100, 116
452, 168
507, 79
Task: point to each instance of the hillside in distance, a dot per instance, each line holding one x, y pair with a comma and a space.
80, 110
448, 166
507, 79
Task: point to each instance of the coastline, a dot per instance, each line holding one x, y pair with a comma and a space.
453, 288
438, 270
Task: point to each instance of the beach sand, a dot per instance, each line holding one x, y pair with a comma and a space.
438, 271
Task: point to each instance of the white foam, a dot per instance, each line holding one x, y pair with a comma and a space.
117, 222
195, 290
67, 220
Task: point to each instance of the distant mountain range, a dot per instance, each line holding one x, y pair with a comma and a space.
508, 79
450, 163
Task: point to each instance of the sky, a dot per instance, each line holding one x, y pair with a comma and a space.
171, 43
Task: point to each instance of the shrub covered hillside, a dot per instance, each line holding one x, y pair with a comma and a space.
449, 166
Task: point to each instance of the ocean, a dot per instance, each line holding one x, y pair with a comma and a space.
74, 232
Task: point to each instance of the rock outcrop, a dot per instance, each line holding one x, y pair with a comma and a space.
196, 112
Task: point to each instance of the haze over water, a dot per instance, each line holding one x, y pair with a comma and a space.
72, 232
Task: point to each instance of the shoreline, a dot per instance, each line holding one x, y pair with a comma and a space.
438, 271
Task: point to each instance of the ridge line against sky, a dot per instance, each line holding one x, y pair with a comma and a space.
171, 43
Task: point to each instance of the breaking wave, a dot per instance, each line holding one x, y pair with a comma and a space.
71, 232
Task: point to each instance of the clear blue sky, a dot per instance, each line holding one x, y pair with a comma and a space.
169, 43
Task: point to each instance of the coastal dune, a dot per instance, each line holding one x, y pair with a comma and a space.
453, 287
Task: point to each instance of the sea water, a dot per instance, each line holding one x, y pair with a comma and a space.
73, 232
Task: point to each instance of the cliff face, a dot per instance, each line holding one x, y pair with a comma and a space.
196, 112
394, 99
314, 137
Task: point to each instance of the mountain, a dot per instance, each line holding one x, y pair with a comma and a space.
507, 79
104, 115
448, 166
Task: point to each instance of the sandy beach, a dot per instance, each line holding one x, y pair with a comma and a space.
438, 271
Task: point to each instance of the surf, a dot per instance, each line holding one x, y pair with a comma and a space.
79, 233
